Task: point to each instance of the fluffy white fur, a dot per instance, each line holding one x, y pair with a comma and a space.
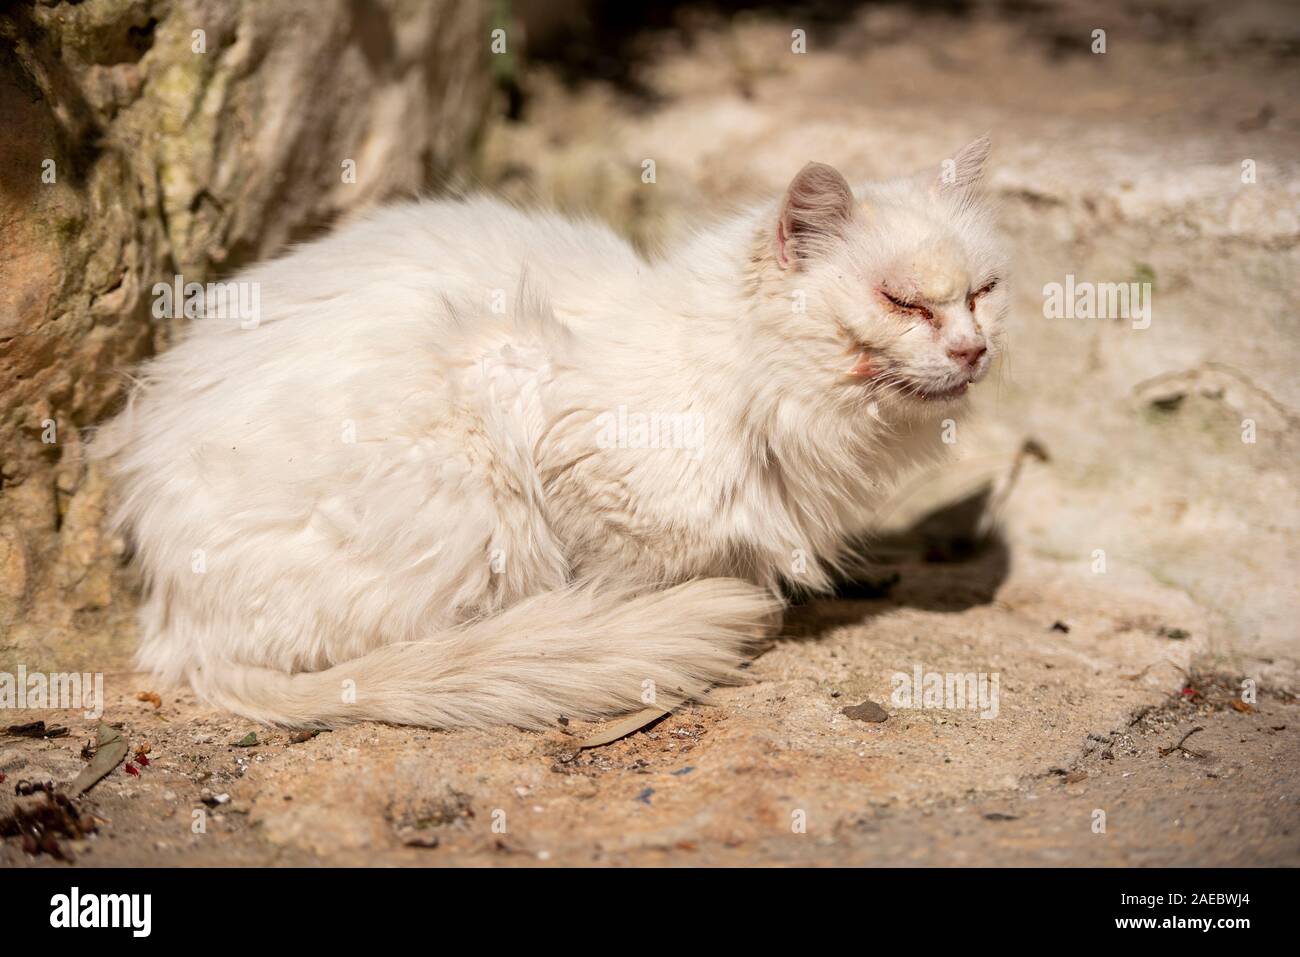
389, 500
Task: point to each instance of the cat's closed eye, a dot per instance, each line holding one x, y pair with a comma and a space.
980, 293
909, 307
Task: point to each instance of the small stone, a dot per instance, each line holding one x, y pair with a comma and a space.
867, 711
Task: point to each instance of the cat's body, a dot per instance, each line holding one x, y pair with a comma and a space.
419, 490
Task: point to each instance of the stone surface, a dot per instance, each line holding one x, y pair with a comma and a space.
147, 138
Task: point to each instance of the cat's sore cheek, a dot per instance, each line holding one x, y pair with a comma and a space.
863, 367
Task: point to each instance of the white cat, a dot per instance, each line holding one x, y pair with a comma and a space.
476, 465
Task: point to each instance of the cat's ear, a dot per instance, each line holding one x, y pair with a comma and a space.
964, 170
816, 207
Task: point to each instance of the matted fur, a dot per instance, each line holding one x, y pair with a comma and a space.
391, 499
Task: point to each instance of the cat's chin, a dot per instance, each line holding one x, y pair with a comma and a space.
927, 394
943, 395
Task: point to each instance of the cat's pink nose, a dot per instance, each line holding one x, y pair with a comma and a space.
968, 354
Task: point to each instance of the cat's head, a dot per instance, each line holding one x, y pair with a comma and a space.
897, 291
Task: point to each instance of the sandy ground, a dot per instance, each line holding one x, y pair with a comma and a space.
1095, 438
1076, 766
1081, 770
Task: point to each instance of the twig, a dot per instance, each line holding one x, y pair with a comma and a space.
1179, 745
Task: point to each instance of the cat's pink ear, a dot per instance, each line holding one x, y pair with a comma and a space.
814, 211
964, 170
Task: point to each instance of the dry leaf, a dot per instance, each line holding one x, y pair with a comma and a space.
108, 754
1245, 707
623, 727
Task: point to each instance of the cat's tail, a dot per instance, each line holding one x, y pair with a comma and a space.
581, 652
